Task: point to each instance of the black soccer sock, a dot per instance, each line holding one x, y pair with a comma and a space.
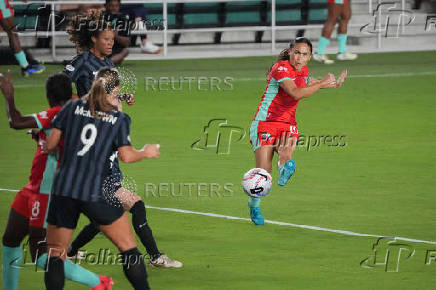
84, 237
54, 277
134, 269
142, 229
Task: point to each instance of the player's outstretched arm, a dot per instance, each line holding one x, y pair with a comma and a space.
299, 93
129, 154
16, 120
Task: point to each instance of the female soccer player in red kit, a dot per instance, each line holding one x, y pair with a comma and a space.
274, 128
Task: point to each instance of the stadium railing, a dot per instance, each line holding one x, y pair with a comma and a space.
269, 19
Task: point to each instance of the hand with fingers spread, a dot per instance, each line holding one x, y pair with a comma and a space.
329, 81
341, 78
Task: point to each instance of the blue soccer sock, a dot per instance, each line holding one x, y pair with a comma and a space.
253, 201
73, 272
322, 45
11, 259
342, 43
21, 58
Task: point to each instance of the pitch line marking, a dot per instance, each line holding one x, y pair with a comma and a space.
7, 189
307, 227
387, 75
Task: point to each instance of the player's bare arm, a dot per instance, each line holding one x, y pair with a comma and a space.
129, 154
51, 145
339, 81
16, 119
299, 93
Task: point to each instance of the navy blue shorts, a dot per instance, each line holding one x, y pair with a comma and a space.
65, 212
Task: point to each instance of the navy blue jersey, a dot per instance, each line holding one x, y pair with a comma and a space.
83, 69
88, 145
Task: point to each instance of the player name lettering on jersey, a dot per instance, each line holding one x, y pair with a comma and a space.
87, 113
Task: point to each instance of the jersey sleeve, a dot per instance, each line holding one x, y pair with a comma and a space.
123, 136
73, 68
44, 118
60, 120
283, 72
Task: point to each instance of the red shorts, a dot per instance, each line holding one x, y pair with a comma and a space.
268, 133
340, 2
32, 205
6, 10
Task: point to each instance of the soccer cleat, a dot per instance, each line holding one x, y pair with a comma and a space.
105, 283
322, 58
32, 69
286, 171
164, 262
256, 216
346, 56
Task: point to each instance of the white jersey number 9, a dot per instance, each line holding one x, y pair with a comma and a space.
87, 141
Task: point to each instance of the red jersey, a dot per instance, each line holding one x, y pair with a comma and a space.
43, 165
276, 105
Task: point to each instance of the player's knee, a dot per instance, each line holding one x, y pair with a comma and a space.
56, 250
345, 18
10, 239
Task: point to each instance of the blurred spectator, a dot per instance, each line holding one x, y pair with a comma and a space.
121, 29
138, 12
339, 11
423, 6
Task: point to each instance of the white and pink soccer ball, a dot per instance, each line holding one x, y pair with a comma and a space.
257, 182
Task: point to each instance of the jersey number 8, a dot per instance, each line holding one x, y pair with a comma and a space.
87, 141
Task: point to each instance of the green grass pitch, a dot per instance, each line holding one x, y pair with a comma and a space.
381, 182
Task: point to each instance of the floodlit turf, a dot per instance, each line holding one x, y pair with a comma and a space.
381, 182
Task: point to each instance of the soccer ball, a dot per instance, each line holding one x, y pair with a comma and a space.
257, 182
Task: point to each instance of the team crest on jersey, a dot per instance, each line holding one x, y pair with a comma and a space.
282, 68
43, 115
265, 136
69, 67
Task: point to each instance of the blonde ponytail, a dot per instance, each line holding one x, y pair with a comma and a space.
97, 98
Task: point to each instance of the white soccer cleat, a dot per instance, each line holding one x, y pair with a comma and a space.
322, 58
165, 262
346, 56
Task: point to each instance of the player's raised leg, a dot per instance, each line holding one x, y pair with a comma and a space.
286, 165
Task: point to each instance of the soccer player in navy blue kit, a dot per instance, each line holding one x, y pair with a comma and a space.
96, 45
92, 129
